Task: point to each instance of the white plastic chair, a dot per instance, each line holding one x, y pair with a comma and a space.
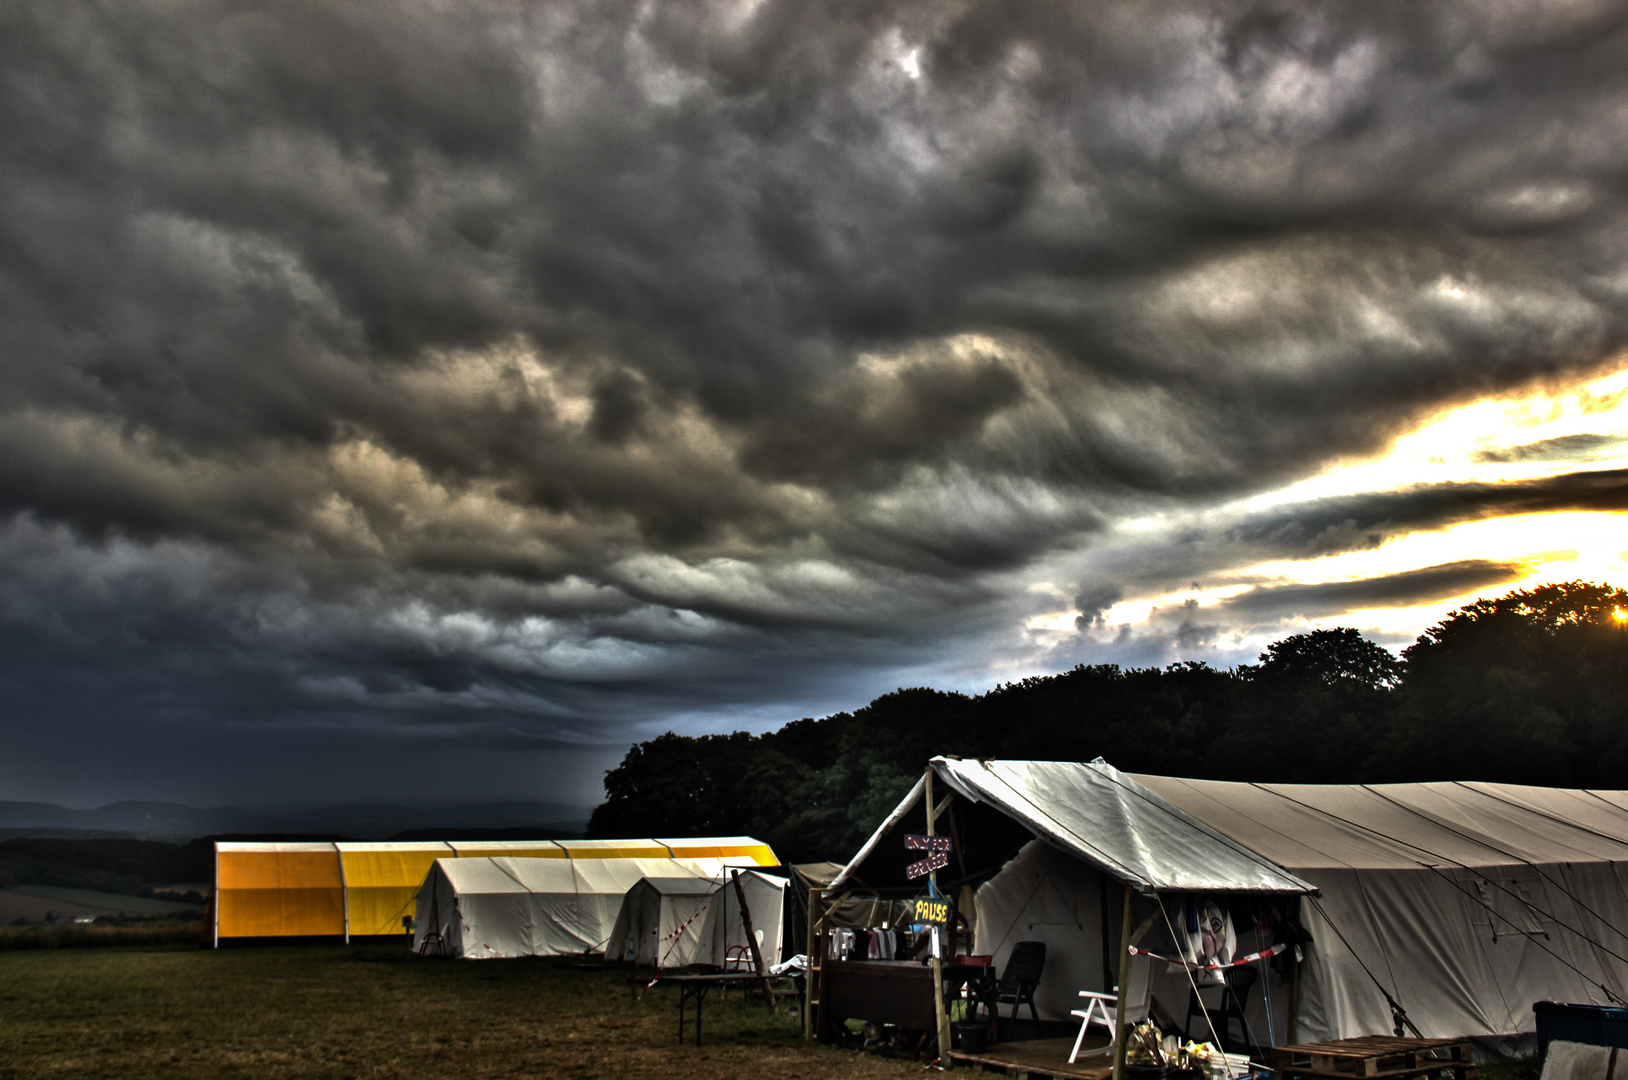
1101, 1008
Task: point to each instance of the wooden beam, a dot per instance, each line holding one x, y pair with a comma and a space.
943, 1018
1124, 988
814, 979
1294, 983
751, 942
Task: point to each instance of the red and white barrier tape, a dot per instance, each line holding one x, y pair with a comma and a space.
1250, 959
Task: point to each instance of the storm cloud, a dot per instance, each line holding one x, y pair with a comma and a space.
451, 378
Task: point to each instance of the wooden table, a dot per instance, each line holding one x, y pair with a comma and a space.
695, 987
896, 992
1374, 1057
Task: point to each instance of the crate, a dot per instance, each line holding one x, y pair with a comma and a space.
1597, 1025
1374, 1057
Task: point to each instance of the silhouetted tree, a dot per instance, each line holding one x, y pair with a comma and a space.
1317, 705
1531, 687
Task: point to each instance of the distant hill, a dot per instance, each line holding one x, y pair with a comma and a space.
361, 821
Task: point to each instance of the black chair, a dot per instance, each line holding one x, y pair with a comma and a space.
1018, 981
1235, 988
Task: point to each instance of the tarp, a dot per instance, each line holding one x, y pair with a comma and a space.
357, 889
487, 908
674, 922
1094, 812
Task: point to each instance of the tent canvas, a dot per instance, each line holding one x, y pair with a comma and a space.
673, 923
1096, 813
1468, 901
353, 889
490, 908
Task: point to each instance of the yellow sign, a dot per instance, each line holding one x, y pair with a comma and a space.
932, 911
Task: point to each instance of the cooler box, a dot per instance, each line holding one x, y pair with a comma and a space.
1597, 1025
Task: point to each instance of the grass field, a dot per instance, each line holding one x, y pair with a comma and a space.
333, 1011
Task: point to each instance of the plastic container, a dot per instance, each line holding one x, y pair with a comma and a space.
973, 1036
1597, 1025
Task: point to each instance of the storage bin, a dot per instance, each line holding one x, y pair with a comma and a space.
1597, 1025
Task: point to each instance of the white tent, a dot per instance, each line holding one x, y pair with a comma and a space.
674, 922
1098, 833
502, 907
1467, 901
1462, 902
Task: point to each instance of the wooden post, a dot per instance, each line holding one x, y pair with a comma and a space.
1120, 1000
751, 941
1294, 997
815, 942
943, 1017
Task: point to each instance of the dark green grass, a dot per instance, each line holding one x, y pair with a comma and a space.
335, 1011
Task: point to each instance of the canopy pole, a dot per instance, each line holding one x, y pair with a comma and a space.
937, 937
1120, 999
751, 941
1294, 984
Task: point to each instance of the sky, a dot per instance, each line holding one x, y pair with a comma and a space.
430, 399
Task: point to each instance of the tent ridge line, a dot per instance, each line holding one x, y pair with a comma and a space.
1550, 817
1436, 869
1263, 825
1361, 827
1432, 819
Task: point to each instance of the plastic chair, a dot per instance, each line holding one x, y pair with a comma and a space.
1098, 1010
1235, 987
1101, 1008
1019, 980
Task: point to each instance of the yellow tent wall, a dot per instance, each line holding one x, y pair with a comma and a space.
278, 890
381, 881
364, 889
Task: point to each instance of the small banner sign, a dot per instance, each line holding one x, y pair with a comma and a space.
936, 861
918, 842
929, 910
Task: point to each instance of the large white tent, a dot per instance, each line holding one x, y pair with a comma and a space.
502, 907
1467, 901
1463, 903
674, 922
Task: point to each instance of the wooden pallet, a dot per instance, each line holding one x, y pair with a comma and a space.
1374, 1057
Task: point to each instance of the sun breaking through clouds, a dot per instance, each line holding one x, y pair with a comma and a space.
395, 391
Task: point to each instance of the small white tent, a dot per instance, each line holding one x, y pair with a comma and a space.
502, 907
672, 923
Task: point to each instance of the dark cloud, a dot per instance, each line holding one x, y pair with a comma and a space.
1405, 589
1563, 448
1093, 604
562, 368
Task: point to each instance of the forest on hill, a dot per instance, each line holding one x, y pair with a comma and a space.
1528, 688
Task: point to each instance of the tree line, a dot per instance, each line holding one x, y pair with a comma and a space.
1528, 688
